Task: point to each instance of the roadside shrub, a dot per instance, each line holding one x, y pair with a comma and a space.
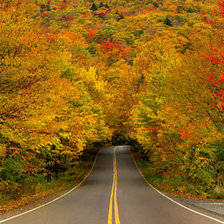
30, 183
9, 189
201, 178
174, 181
218, 192
12, 169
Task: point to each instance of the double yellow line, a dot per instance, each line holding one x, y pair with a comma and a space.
113, 196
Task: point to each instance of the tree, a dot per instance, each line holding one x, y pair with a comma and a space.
93, 7
101, 5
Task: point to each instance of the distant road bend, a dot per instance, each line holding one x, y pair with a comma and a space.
115, 193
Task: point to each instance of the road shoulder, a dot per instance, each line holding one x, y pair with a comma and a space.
213, 209
41, 202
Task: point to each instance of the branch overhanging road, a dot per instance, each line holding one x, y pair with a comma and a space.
115, 193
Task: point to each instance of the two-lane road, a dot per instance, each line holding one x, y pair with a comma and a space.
115, 193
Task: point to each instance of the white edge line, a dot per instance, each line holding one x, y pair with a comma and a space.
68, 192
189, 209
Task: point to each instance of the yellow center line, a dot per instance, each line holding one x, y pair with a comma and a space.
113, 196
116, 213
111, 206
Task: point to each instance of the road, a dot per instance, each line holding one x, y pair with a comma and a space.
114, 193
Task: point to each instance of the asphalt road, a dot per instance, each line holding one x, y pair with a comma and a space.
115, 193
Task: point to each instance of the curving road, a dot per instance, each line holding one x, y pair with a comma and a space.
115, 193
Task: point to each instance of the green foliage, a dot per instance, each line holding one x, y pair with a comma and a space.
68, 74
93, 49
12, 169
218, 192
120, 139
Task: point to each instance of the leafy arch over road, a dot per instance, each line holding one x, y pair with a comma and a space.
72, 76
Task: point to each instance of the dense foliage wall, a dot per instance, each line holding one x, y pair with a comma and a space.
76, 72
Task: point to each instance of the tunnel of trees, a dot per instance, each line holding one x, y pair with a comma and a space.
79, 74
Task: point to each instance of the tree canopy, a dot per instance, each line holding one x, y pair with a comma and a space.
74, 73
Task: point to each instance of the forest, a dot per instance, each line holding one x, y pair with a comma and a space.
76, 74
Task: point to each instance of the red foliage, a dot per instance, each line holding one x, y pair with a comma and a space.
45, 14
69, 18
64, 5
184, 134
215, 57
91, 33
215, 80
84, 14
108, 46
219, 13
102, 14
150, 128
221, 7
